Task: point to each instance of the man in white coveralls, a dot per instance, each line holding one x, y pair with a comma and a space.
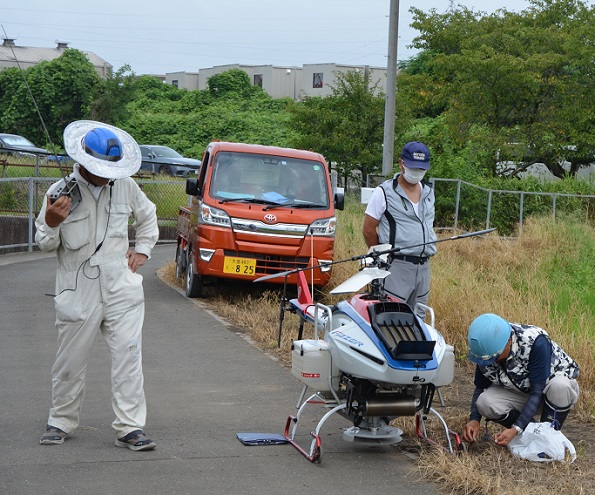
97, 287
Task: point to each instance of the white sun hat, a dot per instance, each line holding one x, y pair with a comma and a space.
104, 150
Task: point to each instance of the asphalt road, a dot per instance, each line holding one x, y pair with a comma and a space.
204, 383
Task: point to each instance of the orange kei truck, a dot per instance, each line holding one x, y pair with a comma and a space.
255, 211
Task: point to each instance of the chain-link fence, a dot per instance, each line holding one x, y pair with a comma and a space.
25, 178
21, 200
25, 164
465, 206
462, 205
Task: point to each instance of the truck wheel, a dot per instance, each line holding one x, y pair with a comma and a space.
180, 262
194, 283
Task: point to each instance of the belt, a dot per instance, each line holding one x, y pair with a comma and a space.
416, 260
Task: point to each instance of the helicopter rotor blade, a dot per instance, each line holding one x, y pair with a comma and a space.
275, 275
376, 253
452, 238
360, 279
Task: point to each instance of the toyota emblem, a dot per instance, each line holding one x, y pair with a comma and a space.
270, 218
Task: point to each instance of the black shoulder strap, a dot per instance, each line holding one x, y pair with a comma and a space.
392, 224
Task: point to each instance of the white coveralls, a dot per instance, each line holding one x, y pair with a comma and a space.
96, 291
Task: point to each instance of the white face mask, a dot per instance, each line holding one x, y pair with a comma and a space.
413, 175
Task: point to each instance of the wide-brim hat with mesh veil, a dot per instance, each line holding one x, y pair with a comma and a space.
122, 164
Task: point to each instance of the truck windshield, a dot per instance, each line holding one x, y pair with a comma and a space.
274, 180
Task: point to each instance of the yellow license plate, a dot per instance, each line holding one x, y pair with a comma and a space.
239, 266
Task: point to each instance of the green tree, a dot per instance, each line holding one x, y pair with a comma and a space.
63, 90
346, 127
233, 81
188, 120
112, 97
519, 76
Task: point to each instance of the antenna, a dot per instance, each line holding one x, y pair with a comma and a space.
47, 134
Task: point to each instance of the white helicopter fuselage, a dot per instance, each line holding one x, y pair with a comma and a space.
351, 346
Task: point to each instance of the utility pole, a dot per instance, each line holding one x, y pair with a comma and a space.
391, 89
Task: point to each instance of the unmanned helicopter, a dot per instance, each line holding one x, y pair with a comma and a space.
372, 358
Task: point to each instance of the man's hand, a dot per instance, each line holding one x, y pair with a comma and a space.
56, 213
504, 437
471, 431
135, 260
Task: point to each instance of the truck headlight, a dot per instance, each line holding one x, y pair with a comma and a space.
214, 216
324, 227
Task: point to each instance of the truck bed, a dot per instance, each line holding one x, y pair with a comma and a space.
183, 226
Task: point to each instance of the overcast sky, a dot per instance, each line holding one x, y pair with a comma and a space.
159, 36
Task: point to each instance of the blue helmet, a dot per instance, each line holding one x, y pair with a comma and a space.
487, 337
104, 144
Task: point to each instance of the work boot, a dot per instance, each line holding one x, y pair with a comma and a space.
554, 415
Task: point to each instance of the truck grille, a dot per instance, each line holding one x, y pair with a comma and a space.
297, 231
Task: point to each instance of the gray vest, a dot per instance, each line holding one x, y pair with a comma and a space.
399, 225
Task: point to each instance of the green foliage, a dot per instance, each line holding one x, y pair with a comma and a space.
112, 96
8, 197
521, 76
188, 120
346, 127
538, 199
63, 89
568, 271
233, 82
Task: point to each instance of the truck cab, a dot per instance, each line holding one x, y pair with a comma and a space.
255, 211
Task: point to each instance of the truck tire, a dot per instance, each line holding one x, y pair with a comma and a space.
194, 283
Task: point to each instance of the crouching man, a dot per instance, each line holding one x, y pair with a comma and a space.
520, 372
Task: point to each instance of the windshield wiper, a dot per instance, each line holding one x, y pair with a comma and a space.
249, 200
294, 205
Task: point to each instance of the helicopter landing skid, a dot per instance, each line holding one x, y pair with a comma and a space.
385, 434
314, 455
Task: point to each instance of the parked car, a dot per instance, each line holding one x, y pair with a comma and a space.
165, 160
15, 144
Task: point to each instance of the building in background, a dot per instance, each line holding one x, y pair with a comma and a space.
186, 80
13, 55
319, 79
277, 81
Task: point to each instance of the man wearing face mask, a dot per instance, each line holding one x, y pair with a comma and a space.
401, 213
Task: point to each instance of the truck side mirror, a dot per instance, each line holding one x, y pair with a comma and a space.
339, 200
192, 187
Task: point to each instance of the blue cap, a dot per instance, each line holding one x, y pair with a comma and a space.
487, 338
416, 155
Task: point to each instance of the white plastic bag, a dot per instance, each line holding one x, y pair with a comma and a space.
541, 442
